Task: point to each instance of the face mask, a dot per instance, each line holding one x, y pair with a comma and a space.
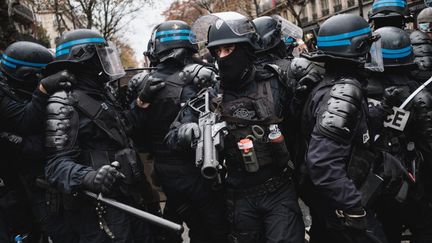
233, 67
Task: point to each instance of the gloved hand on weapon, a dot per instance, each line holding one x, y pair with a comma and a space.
102, 180
62, 80
187, 133
393, 97
149, 91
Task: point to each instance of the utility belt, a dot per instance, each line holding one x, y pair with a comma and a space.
266, 187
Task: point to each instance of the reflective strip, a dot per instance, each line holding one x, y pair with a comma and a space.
62, 52
366, 30
169, 32
396, 53
80, 41
23, 63
7, 63
333, 43
389, 3
173, 38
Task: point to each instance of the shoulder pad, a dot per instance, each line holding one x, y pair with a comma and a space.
341, 111
424, 63
423, 112
300, 67
274, 68
200, 75
417, 37
62, 122
423, 50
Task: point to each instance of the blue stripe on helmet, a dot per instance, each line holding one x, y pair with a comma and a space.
23, 63
62, 52
363, 31
8, 63
80, 41
333, 43
169, 32
396, 53
398, 3
381, 5
174, 38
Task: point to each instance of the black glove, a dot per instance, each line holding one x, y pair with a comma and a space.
62, 80
354, 218
151, 88
134, 86
187, 133
306, 84
103, 179
393, 97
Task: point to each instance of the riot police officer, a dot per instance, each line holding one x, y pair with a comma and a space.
335, 134
424, 21
87, 143
262, 202
405, 173
389, 13
176, 79
27, 118
422, 47
23, 157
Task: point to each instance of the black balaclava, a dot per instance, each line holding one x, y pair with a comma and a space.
90, 75
233, 69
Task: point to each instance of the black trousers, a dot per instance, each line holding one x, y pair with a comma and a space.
195, 201
273, 217
414, 214
328, 228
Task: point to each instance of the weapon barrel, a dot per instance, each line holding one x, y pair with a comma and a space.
136, 212
208, 170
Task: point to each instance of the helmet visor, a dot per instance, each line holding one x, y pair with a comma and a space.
110, 60
374, 60
238, 24
289, 29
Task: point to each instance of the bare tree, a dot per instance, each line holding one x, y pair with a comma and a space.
296, 8
205, 4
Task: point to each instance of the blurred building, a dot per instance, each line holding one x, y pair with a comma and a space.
316, 11
56, 20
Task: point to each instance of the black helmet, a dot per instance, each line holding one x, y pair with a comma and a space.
269, 30
82, 46
274, 30
349, 41
170, 35
424, 20
396, 47
392, 9
22, 63
231, 28
418, 38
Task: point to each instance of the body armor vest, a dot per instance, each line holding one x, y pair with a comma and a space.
250, 115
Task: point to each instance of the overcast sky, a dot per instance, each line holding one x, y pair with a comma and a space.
141, 26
